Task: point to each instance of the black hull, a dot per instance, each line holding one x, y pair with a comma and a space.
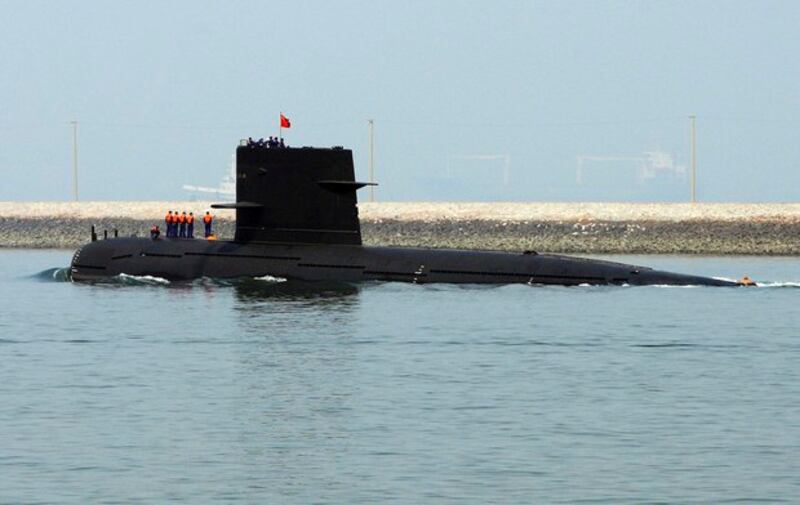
182, 259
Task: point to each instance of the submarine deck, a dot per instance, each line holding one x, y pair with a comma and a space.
188, 259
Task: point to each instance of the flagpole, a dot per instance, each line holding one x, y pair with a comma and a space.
280, 126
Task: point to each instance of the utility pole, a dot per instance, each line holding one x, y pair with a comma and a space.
74, 160
693, 129
371, 123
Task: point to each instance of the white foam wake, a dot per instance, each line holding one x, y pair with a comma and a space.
270, 278
675, 286
778, 284
143, 279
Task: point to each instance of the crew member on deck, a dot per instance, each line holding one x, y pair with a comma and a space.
168, 223
190, 225
182, 223
207, 219
154, 232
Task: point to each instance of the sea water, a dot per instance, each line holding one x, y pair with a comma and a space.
270, 391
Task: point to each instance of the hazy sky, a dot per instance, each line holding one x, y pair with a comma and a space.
163, 91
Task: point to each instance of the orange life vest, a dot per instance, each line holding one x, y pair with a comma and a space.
207, 218
168, 218
190, 219
182, 218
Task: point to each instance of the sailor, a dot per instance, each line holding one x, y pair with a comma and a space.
271, 142
282, 145
250, 142
207, 219
168, 223
182, 223
190, 225
154, 232
260, 142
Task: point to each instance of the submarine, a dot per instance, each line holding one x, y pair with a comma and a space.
297, 218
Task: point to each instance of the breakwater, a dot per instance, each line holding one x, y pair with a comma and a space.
763, 229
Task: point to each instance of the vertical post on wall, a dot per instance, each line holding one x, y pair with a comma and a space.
74, 160
693, 129
371, 158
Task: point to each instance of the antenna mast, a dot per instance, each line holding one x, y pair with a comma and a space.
693, 129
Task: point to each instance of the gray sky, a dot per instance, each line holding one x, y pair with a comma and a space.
163, 92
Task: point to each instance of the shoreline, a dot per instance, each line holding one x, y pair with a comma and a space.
587, 228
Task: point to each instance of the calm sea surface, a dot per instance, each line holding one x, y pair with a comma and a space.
258, 391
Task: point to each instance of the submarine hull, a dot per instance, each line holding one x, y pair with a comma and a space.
185, 259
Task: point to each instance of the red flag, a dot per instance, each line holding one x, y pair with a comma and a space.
285, 123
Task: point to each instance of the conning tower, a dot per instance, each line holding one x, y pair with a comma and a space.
296, 195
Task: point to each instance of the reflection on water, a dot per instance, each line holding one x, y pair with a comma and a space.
253, 290
295, 306
296, 311
300, 375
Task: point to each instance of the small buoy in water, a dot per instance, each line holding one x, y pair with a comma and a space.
746, 281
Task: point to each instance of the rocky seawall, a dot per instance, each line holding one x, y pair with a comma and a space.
762, 229
636, 237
